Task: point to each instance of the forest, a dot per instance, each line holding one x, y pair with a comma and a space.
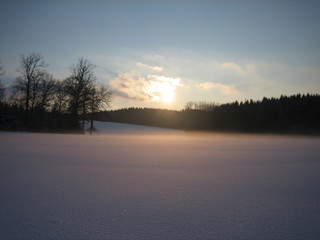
296, 114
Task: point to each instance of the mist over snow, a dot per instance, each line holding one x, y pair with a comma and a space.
123, 128
154, 184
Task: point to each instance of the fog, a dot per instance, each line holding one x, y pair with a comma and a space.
132, 182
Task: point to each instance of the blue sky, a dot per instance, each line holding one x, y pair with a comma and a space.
165, 53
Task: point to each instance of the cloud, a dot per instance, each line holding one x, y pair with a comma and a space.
227, 89
170, 80
162, 87
233, 66
128, 87
152, 88
153, 68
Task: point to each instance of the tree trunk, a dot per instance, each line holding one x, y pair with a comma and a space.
27, 103
91, 123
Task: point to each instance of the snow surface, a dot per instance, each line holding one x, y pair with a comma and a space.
158, 186
122, 128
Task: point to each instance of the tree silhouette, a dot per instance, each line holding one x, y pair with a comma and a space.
47, 89
31, 68
78, 87
2, 90
99, 99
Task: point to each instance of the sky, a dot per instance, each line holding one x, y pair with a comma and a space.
162, 54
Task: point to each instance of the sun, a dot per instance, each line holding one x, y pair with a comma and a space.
161, 88
167, 95
167, 92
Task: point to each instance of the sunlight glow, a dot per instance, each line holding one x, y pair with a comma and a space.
152, 88
167, 94
163, 88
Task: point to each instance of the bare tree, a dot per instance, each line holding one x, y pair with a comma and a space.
78, 87
1, 70
189, 105
46, 90
2, 90
200, 105
99, 99
31, 68
60, 100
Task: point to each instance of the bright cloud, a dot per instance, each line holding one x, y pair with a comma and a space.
153, 68
227, 89
163, 88
152, 88
170, 80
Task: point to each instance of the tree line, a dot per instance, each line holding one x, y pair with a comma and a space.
297, 114
38, 102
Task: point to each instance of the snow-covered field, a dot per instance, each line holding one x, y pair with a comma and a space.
150, 184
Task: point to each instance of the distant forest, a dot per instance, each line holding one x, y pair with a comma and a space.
297, 114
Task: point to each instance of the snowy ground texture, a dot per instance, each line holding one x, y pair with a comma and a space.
152, 185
